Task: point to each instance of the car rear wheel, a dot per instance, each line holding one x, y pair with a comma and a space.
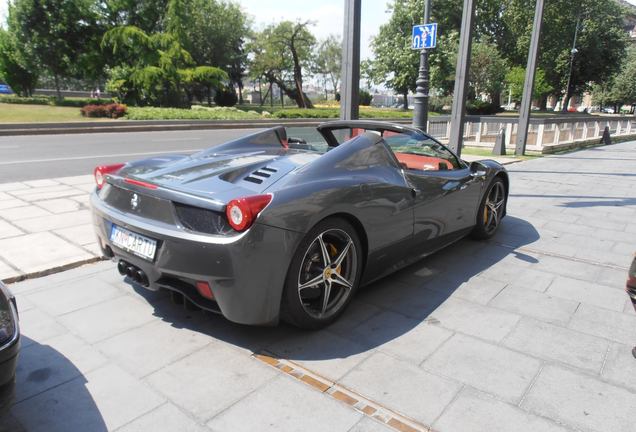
323, 275
491, 210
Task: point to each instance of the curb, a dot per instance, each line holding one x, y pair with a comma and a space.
154, 126
47, 272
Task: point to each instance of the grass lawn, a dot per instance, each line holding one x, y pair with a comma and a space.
481, 151
15, 113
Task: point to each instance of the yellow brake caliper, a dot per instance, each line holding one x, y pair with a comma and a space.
333, 252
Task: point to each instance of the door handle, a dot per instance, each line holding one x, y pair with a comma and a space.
415, 192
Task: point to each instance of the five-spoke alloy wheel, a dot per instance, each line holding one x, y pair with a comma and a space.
491, 211
323, 275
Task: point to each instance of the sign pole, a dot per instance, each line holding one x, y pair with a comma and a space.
420, 110
526, 100
350, 88
461, 78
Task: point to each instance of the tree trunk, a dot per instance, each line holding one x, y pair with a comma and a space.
496, 99
239, 83
57, 87
543, 103
260, 92
566, 100
290, 92
271, 94
282, 98
405, 105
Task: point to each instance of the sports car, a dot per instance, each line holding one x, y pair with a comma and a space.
269, 226
9, 348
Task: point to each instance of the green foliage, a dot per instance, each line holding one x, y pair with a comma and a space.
33, 100
144, 14
365, 98
225, 97
601, 40
479, 107
515, 80
439, 104
325, 113
50, 100
487, 70
62, 36
328, 61
201, 81
150, 69
147, 113
16, 68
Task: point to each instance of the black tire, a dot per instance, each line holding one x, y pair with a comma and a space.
491, 210
305, 307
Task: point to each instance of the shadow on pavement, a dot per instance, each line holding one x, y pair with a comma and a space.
50, 395
381, 312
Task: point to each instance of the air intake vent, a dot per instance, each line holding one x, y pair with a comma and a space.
253, 179
260, 174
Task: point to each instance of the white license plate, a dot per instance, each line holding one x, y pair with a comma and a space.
133, 243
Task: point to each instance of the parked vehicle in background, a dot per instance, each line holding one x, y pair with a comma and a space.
9, 347
631, 289
5, 89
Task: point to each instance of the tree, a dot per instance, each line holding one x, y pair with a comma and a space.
487, 71
215, 36
146, 15
16, 68
63, 36
328, 61
281, 53
152, 70
202, 81
601, 40
621, 88
516, 78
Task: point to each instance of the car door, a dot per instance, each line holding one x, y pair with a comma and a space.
445, 192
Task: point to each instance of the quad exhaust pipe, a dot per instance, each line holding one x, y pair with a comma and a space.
132, 272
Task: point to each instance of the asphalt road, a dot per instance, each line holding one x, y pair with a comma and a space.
47, 156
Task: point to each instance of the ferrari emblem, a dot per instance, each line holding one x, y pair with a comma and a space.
134, 202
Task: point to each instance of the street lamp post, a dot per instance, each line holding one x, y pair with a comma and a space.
566, 101
420, 102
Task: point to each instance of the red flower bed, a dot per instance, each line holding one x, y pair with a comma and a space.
113, 110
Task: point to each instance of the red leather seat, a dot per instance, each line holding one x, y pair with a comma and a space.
422, 163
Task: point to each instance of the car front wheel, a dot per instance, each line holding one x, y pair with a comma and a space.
491, 210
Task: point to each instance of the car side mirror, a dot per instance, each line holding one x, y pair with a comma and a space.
477, 169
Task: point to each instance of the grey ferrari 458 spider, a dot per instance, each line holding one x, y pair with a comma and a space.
267, 227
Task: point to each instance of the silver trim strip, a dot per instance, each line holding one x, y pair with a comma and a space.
129, 221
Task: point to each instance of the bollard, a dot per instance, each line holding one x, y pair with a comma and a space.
500, 143
607, 138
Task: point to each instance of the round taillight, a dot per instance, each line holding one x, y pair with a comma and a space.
101, 171
99, 178
237, 216
241, 213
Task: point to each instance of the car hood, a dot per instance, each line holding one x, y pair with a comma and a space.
221, 176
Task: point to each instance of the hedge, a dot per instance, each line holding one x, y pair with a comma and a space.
52, 100
110, 110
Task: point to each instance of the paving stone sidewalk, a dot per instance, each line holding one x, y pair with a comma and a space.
45, 224
531, 331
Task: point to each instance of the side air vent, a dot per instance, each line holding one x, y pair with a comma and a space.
260, 174
253, 179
